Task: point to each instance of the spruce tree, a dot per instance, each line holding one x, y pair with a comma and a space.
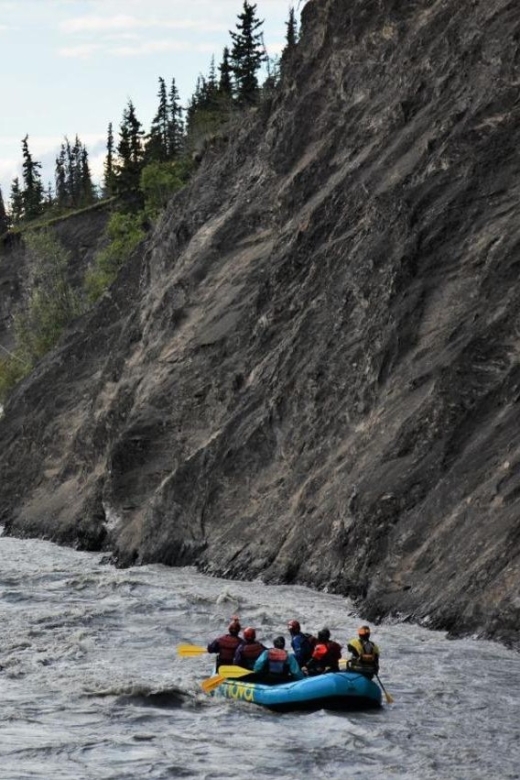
291, 37
225, 84
156, 149
175, 123
87, 190
247, 54
32, 194
130, 158
109, 172
16, 199
4, 220
60, 179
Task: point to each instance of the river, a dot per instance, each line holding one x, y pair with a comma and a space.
92, 686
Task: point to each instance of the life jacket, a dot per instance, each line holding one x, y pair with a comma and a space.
367, 655
251, 651
227, 646
278, 661
327, 654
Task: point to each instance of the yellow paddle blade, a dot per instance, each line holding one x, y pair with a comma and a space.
212, 682
233, 671
388, 696
190, 651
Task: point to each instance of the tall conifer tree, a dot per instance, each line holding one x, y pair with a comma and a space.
247, 54
108, 169
291, 38
225, 84
130, 158
60, 179
16, 199
88, 194
157, 141
32, 193
175, 123
4, 220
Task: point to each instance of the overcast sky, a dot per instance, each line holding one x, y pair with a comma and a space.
70, 66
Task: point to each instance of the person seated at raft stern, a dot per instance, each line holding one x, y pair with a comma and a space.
225, 646
247, 653
364, 654
325, 656
302, 644
276, 665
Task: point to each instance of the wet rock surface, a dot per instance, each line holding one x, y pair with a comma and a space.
311, 372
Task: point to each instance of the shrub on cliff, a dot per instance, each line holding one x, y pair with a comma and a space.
51, 302
12, 369
159, 180
124, 232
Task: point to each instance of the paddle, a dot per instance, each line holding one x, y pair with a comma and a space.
190, 651
389, 698
212, 682
223, 674
343, 663
233, 671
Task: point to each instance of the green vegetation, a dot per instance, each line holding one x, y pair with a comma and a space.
12, 370
124, 231
51, 304
159, 181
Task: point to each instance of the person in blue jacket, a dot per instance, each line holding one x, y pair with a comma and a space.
302, 644
276, 665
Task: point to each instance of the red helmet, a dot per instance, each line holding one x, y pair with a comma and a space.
364, 631
249, 633
234, 627
293, 625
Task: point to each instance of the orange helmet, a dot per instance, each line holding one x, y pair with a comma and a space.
320, 651
364, 631
293, 625
249, 633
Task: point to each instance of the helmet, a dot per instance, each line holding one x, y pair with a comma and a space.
294, 626
320, 651
364, 631
234, 627
249, 633
279, 642
324, 635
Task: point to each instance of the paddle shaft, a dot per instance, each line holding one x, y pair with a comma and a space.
388, 697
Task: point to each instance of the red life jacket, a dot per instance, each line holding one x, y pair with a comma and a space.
227, 646
278, 661
251, 651
327, 654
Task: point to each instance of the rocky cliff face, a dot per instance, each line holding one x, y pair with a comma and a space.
312, 372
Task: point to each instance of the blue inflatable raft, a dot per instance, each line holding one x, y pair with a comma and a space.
331, 691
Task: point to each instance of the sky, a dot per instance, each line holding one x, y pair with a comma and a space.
69, 67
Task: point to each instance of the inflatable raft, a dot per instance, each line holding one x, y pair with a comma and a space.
331, 691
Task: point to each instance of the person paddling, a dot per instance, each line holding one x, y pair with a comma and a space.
247, 653
364, 654
225, 646
276, 665
325, 656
